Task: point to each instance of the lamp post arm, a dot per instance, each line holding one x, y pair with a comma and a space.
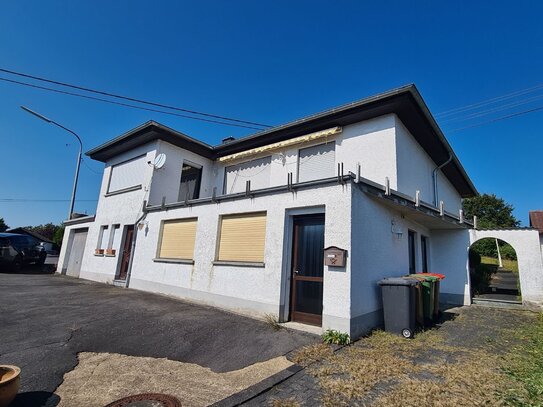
76, 177
70, 131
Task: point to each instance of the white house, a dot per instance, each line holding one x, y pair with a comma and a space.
243, 225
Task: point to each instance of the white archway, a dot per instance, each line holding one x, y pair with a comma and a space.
530, 259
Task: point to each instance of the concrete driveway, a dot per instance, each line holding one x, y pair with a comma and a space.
47, 319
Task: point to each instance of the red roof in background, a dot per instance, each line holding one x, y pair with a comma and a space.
536, 220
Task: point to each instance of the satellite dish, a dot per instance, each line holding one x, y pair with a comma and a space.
160, 160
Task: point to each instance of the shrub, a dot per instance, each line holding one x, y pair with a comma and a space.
334, 337
474, 259
508, 252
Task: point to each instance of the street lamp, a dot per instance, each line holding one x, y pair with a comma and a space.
45, 119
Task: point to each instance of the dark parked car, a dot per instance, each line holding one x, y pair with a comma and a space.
16, 250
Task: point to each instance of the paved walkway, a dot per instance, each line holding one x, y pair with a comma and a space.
503, 287
47, 319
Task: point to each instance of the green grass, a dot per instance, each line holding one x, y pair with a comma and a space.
506, 369
507, 264
525, 365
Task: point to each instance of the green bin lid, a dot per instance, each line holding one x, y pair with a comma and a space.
423, 277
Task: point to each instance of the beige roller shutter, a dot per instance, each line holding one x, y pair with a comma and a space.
243, 237
177, 240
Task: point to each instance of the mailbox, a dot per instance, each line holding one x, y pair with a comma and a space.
334, 256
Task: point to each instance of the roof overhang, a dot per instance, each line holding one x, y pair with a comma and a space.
144, 134
406, 102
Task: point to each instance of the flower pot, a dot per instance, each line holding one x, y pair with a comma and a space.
9, 384
99, 251
110, 252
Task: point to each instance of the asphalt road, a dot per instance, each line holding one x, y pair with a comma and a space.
46, 319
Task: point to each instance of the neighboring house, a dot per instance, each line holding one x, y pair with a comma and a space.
242, 225
48, 245
28, 232
536, 222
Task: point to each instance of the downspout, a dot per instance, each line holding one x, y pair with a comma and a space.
133, 248
434, 177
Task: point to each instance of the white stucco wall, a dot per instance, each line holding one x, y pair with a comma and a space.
123, 208
449, 254
370, 143
378, 253
415, 169
166, 180
530, 263
251, 290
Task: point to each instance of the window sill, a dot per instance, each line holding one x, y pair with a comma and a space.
122, 191
178, 261
109, 255
239, 263
99, 254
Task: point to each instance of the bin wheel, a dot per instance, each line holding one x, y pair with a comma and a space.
407, 333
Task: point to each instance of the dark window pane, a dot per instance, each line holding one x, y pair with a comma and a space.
309, 297
310, 253
190, 183
424, 250
411, 244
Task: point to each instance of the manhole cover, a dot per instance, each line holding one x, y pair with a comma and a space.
147, 400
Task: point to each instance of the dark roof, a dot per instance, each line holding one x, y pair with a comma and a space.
406, 102
536, 220
23, 231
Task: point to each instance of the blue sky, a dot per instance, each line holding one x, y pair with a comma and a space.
268, 62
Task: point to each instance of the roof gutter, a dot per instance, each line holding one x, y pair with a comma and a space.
133, 247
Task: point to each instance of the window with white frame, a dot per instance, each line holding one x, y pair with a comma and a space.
113, 233
126, 175
242, 237
317, 162
257, 171
177, 238
191, 177
102, 239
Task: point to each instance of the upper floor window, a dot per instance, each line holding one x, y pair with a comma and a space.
316, 162
257, 171
191, 177
127, 174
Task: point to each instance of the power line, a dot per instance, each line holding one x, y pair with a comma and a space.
124, 104
493, 110
497, 119
113, 95
489, 101
89, 167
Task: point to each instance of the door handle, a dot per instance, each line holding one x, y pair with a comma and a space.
296, 271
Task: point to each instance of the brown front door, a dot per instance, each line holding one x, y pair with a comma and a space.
307, 269
127, 249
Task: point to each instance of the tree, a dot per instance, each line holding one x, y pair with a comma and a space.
47, 230
59, 235
3, 226
491, 211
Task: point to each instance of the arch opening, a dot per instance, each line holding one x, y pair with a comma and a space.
494, 271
